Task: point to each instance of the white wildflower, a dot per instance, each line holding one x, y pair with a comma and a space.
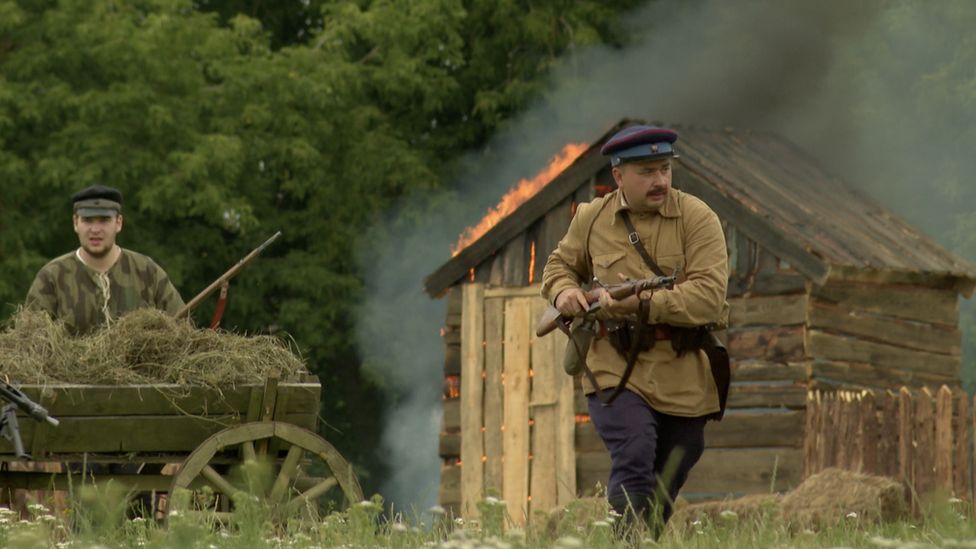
399, 527
437, 510
851, 515
601, 524
47, 518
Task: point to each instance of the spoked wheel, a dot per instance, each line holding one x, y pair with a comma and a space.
311, 471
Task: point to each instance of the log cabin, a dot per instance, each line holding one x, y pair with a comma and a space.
827, 290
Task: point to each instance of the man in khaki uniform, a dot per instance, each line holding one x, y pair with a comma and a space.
661, 412
100, 281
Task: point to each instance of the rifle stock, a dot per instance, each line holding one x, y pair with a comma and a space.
225, 278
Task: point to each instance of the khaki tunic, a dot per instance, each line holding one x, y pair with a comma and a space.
70, 290
685, 232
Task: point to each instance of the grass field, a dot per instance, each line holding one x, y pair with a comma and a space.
97, 519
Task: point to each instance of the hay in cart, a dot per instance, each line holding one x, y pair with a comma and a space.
146, 346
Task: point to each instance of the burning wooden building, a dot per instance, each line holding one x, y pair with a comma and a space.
826, 289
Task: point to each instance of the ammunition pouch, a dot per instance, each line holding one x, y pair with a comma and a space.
689, 339
621, 334
581, 333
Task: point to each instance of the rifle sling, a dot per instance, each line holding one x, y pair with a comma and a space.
632, 355
634, 239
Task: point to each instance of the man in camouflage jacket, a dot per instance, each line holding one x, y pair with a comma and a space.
100, 281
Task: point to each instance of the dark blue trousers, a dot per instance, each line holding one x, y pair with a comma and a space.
651, 453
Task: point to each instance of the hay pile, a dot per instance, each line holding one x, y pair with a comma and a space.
143, 347
827, 498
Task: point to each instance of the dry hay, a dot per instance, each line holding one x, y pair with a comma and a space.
749, 508
835, 495
827, 498
143, 347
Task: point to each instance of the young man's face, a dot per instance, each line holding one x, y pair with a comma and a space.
97, 234
645, 183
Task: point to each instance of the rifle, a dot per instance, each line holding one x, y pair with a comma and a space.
551, 318
9, 428
222, 283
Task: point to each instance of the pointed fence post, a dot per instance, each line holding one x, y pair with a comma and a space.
961, 473
888, 444
869, 434
811, 434
943, 440
924, 442
906, 435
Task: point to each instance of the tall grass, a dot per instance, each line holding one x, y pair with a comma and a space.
97, 518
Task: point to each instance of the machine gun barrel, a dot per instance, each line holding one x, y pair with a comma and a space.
14, 396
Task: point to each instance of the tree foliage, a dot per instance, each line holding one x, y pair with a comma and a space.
220, 131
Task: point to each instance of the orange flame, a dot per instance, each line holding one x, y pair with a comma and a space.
532, 263
525, 189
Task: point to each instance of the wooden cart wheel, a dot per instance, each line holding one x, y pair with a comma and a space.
292, 490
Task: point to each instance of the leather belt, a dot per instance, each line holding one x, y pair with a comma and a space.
662, 332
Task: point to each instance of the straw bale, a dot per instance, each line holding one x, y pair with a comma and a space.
146, 346
749, 507
835, 495
827, 498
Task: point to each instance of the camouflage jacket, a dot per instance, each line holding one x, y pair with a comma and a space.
82, 297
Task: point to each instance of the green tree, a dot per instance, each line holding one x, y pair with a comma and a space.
218, 138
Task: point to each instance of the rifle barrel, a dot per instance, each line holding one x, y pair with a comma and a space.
231, 273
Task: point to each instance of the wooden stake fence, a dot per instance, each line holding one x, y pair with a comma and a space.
925, 440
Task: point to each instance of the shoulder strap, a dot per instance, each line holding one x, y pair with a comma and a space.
635, 241
589, 231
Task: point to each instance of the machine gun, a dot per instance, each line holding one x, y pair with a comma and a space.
9, 428
551, 318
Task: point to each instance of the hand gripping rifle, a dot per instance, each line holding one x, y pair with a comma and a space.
551, 318
222, 283
9, 428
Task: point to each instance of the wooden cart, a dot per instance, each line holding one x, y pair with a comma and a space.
208, 433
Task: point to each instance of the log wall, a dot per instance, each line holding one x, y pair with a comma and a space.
880, 335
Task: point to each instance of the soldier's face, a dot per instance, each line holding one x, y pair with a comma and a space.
97, 234
645, 183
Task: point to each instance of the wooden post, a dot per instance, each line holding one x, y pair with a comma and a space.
943, 440
515, 440
544, 401
961, 473
869, 434
828, 438
494, 394
888, 443
810, 434
843, 419
924, 442
906, 438
472, 391
566, 429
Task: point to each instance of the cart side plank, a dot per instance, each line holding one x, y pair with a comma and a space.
150, 400
109, 434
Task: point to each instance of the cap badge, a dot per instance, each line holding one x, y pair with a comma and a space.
654, 148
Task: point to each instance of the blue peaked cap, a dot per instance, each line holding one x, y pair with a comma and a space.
640, 142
